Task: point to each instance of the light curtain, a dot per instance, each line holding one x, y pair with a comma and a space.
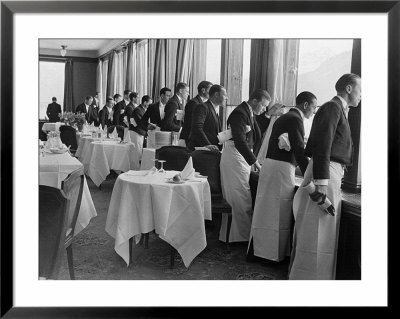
119, 72
198, 73
130, 80
68, 93
104, 81
142, 67
283, 60
99, 82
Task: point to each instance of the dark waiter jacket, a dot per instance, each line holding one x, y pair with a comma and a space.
187, 122
244, 142
170, 123
53, 111
330, 139
205, 126
152, 113
291, 123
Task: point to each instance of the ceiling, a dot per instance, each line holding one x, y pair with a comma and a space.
92, 48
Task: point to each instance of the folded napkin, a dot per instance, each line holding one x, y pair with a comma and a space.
136, 173
127, 136
188, 172
114, 134
133, 122
284, 143
227, 135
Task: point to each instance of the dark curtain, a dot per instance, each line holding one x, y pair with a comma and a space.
258, 64
110, 87
159, 68
129, 85
184, 57
68, 94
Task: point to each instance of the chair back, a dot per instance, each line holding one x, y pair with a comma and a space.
176, 157
72, 187
68, 136
207, 164
120, 130
53, 208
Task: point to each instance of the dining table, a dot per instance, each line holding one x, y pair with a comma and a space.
101, 155
53, 169
147, 200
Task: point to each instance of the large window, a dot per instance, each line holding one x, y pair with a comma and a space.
321, 63
51, 84
213, 62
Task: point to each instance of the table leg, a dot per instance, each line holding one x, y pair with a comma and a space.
228, 231
130, 250
141, 239
172, 260
146, 241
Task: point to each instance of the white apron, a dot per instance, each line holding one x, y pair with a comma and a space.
316, 233
272, 215
262, 153
235, 175
137, 140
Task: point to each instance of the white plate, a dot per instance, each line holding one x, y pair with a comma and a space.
58, 150
170, 180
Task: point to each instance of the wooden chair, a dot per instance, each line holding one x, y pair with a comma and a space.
207, 164
68, 137
58, 213
53, 208
176, 157
73, 189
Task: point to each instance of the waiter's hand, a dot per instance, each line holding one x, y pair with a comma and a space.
212, 148
257, 166
323, 189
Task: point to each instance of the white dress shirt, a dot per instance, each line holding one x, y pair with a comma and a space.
161, 107
216, 107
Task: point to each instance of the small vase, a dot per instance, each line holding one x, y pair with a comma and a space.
80, 127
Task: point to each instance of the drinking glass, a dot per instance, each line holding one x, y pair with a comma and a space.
155, 166
161, 170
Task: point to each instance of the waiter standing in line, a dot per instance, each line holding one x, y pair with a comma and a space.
272, 217
236, 161
330, 147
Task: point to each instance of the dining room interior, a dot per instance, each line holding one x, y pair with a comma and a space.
128, 196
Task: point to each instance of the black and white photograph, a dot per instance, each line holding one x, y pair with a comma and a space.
200, 159
164, 155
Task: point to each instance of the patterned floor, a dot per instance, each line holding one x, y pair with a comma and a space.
95, 258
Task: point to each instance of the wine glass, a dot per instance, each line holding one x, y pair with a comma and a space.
162, 170
155, 166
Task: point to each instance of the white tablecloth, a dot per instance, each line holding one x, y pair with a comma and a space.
148, 156
53, 169
99, 157
141, 203
47, 127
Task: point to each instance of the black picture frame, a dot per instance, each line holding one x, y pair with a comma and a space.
9, 8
